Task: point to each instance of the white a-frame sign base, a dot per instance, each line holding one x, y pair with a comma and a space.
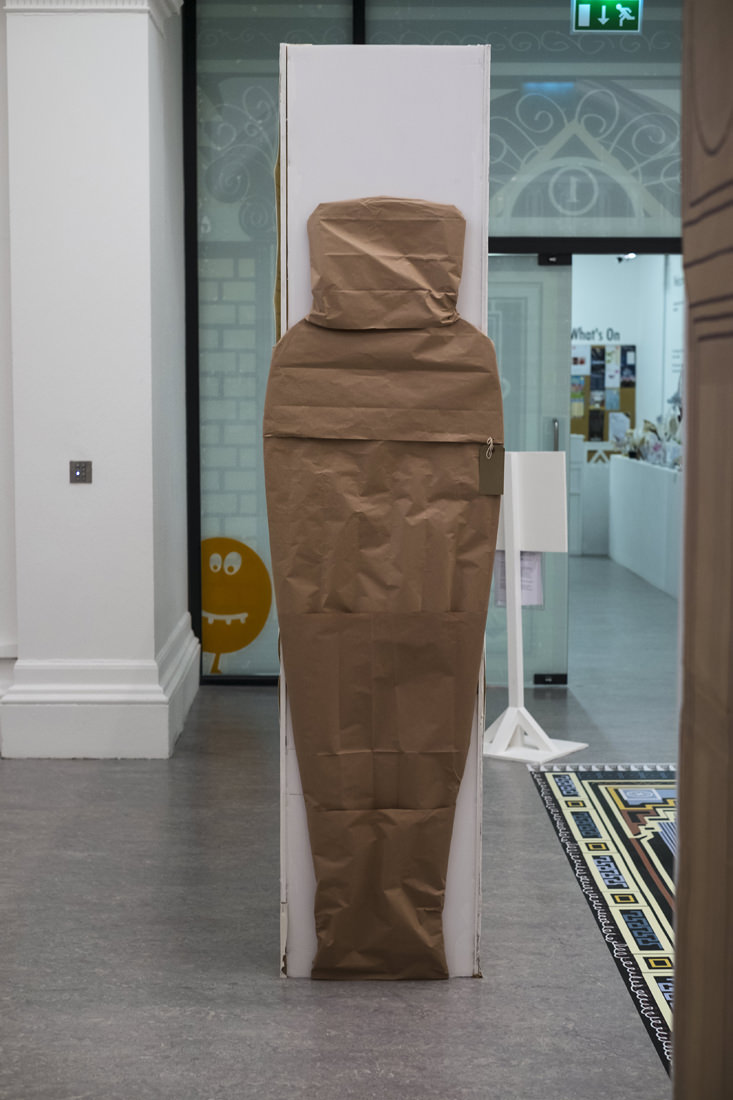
533, 517
516, 736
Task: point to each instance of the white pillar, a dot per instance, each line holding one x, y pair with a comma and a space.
107, 662
8, 617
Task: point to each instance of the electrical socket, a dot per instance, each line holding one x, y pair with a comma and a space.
80, 472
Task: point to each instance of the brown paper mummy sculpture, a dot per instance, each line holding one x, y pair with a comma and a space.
379, 409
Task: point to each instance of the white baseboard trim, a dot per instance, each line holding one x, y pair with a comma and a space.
179, 665
7, 665
100, 708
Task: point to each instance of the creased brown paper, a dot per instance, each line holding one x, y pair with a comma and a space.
378, 405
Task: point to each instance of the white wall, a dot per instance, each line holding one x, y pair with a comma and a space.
626, 300
107, 664
674, 329
81, 368
8, 616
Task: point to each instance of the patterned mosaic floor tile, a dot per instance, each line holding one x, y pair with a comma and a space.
618, 826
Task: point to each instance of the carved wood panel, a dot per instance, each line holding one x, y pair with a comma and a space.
703, 1025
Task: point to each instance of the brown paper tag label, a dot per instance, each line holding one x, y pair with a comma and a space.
491, 470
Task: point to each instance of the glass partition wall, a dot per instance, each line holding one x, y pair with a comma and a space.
237, 48
584, 156
585, 128
529, 322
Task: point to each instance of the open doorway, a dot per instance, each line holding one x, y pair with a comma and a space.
625, 498
607, 620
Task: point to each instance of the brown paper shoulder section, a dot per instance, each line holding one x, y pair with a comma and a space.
438, 384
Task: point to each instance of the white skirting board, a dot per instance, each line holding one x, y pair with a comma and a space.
101, 708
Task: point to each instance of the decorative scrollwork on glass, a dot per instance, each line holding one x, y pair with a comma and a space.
584, 150
238, 146
512, 41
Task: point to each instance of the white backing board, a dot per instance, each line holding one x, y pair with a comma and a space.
408, 121
412, 122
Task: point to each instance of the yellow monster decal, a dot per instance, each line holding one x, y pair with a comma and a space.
236, 594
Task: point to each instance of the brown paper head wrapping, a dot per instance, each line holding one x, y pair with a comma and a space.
377, 408
385, 263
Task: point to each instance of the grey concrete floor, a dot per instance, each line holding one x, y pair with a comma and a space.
139, 915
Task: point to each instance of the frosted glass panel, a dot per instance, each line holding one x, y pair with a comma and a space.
585, 129
584, 142
237, 75
529, 321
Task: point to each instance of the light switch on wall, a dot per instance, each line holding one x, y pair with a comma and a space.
80, 472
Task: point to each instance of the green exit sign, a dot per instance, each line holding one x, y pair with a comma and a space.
596, 16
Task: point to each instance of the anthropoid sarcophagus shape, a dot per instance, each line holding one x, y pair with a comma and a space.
383, 451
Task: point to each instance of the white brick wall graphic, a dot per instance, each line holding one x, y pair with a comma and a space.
236, 333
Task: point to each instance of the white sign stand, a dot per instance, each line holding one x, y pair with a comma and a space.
533, 517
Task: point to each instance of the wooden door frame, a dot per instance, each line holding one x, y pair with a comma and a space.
703, 1021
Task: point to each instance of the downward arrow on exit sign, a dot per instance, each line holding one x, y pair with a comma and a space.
597, 16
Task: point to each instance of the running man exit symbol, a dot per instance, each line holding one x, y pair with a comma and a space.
595, 16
